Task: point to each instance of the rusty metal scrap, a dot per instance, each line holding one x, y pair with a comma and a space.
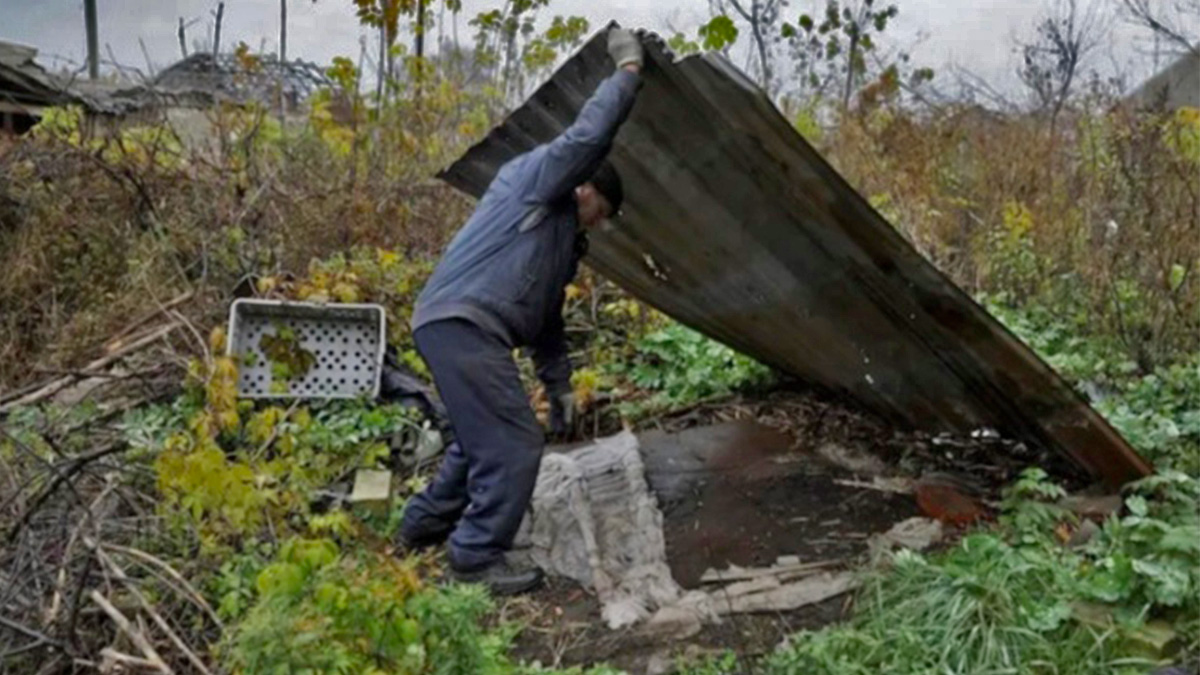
735, 226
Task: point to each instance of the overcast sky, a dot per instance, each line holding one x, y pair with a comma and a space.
973, 34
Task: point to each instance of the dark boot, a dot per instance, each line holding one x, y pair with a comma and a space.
501, 578
407, 544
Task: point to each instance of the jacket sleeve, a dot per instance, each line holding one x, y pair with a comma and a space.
571, 158
550, 357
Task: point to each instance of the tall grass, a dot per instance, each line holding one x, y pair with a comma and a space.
1098, 224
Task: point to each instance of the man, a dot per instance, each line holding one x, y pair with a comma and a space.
500, 285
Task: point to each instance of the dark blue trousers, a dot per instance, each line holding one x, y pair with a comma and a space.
486, 479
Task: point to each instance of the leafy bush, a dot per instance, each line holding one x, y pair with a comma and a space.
1149, 561
364, 274
232, 469
1093, 227
683, 366
321, 612
1158, 412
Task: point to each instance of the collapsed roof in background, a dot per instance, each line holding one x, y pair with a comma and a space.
1176, 86
196, 81
202, 78
24, 83
735, 226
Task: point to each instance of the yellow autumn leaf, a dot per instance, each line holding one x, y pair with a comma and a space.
267, 284
345, 292
229, 420
387, 258
217, 340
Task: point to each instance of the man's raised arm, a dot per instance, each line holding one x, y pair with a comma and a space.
570, 159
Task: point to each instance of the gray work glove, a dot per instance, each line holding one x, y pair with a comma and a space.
625, 48
562, 414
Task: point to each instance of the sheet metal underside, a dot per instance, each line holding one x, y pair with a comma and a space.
735, 226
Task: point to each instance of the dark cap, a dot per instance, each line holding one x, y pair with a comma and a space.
608, 183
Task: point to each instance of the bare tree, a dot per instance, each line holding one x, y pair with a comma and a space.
1177, 22
1051, 62
182, 35
420, 30
761, 16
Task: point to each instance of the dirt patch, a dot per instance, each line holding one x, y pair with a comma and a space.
740, 483
736, 493
563, 628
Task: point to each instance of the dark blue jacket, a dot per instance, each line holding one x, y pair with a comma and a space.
507, 268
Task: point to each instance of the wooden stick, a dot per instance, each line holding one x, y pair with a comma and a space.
893, 486
19, 392
37, 635
110, 657
170, 571
114, 341
154, 615
744, 573
63, 382
112, 345
61, 578
134, 634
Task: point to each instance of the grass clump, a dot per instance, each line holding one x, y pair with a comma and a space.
984, 607
1016, 600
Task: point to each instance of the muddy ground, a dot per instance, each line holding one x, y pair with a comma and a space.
564, 629
743, 482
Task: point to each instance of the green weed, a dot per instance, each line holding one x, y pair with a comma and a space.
681, 366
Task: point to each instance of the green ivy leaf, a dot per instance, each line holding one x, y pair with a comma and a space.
1114, 582
1169, 583
718, 33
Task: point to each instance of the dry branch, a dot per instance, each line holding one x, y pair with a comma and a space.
61, 383
62, 475
29, 632
134, 634
111, 658
148, 608
189, 591
61, 581
115, 341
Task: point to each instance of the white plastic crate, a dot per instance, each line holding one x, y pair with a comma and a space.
341, 344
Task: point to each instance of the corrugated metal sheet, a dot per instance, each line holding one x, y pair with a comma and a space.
737, 227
